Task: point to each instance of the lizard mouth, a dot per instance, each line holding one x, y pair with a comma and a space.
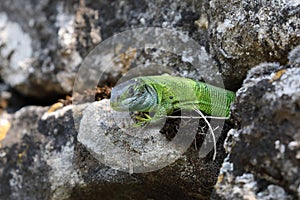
124, 105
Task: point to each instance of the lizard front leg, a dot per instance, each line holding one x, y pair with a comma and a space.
161, 111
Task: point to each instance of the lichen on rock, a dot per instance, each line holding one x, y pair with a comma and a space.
245, 33
265, 144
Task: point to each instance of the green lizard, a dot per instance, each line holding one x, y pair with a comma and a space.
164, 94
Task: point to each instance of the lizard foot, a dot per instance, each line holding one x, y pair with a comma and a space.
142, 120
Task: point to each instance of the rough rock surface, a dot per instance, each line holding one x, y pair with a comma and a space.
264, 152
41, 158
39, 42
42, 43
245, 33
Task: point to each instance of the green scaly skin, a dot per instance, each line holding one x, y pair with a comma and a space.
163, 94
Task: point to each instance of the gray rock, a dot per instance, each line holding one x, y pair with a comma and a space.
294, 57
245, 186
245, 33
41, 157
39, 45
266, 144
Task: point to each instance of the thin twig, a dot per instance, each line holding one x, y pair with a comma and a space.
210, 129
189, 117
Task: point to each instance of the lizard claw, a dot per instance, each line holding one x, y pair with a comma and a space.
142, 120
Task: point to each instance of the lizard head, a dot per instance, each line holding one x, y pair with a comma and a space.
133, 95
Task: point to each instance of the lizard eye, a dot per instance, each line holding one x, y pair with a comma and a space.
171, 97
